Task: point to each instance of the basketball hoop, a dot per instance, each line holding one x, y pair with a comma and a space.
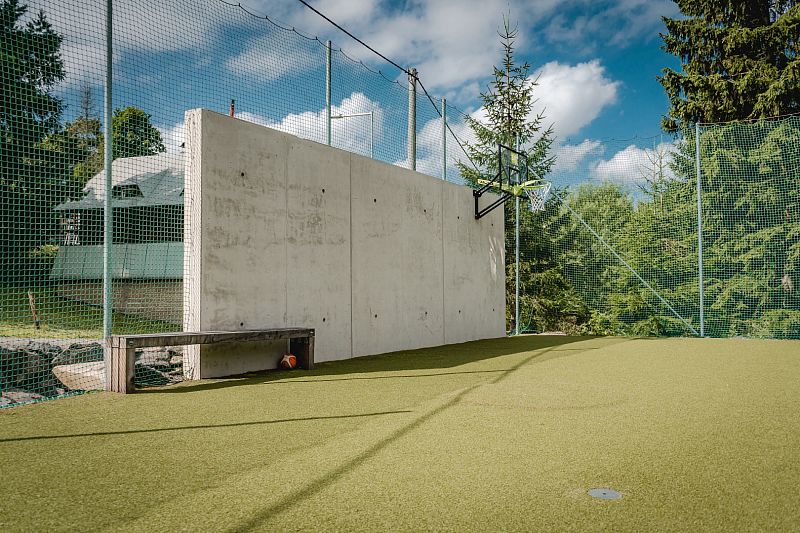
538, 196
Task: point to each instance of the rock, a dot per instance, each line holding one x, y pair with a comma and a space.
43, 348
147, 375
82, 376
31, 371
80, 353
17, 396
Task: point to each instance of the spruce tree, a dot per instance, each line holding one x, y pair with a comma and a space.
509, 119
739, 61
30, 69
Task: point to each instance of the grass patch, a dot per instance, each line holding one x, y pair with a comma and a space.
63, 318
508, 434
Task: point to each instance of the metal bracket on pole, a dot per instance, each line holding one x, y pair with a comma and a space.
412, 118
328, 93
699, 230
444, 138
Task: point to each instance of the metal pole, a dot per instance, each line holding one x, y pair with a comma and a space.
516, 254
412, 118
328, 93
516, 267
699, 229
444, 138
107, 214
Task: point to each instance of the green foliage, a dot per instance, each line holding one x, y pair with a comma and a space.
778, 323
509, 120
134, 135
751, 235
30, 177
739, 60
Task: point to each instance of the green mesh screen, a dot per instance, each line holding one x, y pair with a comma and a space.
751, 228
169, 57
614, 252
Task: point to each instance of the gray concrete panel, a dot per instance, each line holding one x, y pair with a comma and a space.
243, 235
318, 245
397, 258
474, 276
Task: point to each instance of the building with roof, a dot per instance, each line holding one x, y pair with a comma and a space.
147, 250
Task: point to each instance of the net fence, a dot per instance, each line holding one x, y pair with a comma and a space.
615, 250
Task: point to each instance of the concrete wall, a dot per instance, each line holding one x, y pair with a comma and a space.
281, 231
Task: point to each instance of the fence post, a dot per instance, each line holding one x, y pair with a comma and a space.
328, 93
108, 227
516, 266
699, 229
444, 138
412, 118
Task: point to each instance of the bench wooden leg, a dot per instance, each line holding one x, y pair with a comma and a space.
123, 363
303, 349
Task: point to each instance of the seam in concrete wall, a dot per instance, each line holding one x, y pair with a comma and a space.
444, 263
286, 241
350, 177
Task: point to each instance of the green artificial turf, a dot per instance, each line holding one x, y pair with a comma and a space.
507, 434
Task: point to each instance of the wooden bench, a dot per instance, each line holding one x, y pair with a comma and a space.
122, 348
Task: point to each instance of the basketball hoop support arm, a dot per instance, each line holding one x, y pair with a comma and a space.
496, 183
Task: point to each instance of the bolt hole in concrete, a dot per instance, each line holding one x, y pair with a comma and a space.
241, 324
376, 316
375, 200
604, 494
323, 319
242, 174
323, 191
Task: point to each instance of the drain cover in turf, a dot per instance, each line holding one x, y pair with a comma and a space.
605, 494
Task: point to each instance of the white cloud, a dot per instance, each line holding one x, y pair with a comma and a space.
586, 23
267, 64
570, 156
450, 42
173, 136
353, 134
572, 96
635, 165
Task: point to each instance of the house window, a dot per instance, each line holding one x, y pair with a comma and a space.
126, 191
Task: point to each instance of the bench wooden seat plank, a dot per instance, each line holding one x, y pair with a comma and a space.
122, 348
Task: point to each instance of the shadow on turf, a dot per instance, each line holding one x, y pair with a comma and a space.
297, 497
436, 358
209, 426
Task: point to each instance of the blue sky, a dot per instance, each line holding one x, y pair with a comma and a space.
596, 62
454, 45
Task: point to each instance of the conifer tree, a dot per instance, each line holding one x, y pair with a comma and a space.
509, 119
739, 61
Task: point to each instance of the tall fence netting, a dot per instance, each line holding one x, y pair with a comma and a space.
614, 252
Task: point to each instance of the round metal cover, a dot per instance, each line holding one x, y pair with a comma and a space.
605, 494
